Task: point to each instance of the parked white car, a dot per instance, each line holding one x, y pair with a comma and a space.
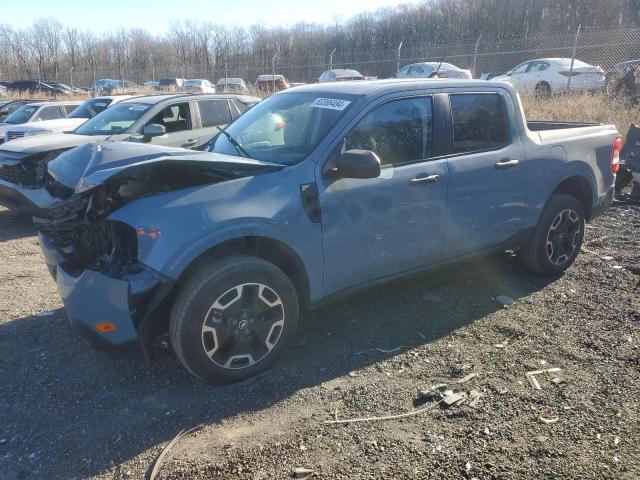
427, 70
545, 76
36, 112
199, 85
77, 117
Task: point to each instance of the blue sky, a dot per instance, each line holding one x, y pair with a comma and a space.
155, 15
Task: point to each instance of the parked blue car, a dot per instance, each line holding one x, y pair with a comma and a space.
313, 193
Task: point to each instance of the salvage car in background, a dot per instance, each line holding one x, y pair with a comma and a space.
232, 85
36, 112
431, 69
108, 86
179, 120
34, 86
361, 183
199, 85
77, 117
546, 76
340, 75
271, 83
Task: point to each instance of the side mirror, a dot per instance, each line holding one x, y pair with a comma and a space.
358, 164
153, 130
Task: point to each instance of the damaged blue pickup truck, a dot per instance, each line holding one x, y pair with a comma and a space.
315, 192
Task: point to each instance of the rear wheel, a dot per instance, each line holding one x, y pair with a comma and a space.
557, 238
233, 318
543, 90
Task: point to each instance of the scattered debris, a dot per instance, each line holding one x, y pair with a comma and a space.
384, 350
502, 344
474, 398
606, 258
558, 380
532, 379
616, 441
449, 397
3, 441
504, 300
48, 313
302, 472
302, 447
466, 378
617, 267
386, 417
487, 431
154, 468
548, 420
32, 456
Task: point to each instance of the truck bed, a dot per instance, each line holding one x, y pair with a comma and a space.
552, 131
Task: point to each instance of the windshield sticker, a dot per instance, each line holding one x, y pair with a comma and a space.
330, 103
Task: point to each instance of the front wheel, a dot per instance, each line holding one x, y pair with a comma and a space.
557, 238
233, 318
543, 90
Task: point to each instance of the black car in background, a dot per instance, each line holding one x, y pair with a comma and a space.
34, 86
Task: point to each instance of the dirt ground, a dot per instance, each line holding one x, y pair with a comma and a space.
68, 411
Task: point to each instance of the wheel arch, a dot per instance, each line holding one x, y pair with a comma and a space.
578, 187
266, 248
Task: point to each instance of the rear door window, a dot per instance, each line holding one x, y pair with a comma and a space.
214, 112
399, 131
479, 122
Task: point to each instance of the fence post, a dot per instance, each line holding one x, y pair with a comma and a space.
273, 71
398, 60
226, 74
475, 57
573, 57
71, 75
331, 60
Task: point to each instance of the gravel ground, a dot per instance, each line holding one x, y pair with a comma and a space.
68, 411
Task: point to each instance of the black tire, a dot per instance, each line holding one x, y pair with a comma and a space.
238, 279
543, 90
535, 253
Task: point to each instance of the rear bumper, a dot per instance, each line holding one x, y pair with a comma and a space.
24, 200
603, 203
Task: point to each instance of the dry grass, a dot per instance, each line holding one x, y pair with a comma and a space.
583, 108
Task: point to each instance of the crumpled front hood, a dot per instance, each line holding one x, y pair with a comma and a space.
90, 165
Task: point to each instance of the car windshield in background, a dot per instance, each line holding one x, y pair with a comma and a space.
21, 115
90, 108
114, 120
283, 129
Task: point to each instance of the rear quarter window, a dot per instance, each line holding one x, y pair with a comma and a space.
479, 122
214, 112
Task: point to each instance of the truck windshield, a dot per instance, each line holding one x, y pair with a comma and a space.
114, 120
284, 128
21, 115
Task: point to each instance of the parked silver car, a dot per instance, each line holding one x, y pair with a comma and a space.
433, 69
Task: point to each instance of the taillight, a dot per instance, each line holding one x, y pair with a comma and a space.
615, 155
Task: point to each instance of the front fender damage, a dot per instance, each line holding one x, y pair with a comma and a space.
97, 257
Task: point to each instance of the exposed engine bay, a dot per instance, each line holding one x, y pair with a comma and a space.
78, 226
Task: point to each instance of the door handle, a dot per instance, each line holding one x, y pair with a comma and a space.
420, 180
505, 163
191, 142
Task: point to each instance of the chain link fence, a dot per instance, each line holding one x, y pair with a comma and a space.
487, 56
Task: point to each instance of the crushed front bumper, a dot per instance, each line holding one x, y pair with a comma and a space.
92, 300
107, 311
29, 201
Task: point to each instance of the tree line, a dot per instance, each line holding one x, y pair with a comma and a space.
51, 50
